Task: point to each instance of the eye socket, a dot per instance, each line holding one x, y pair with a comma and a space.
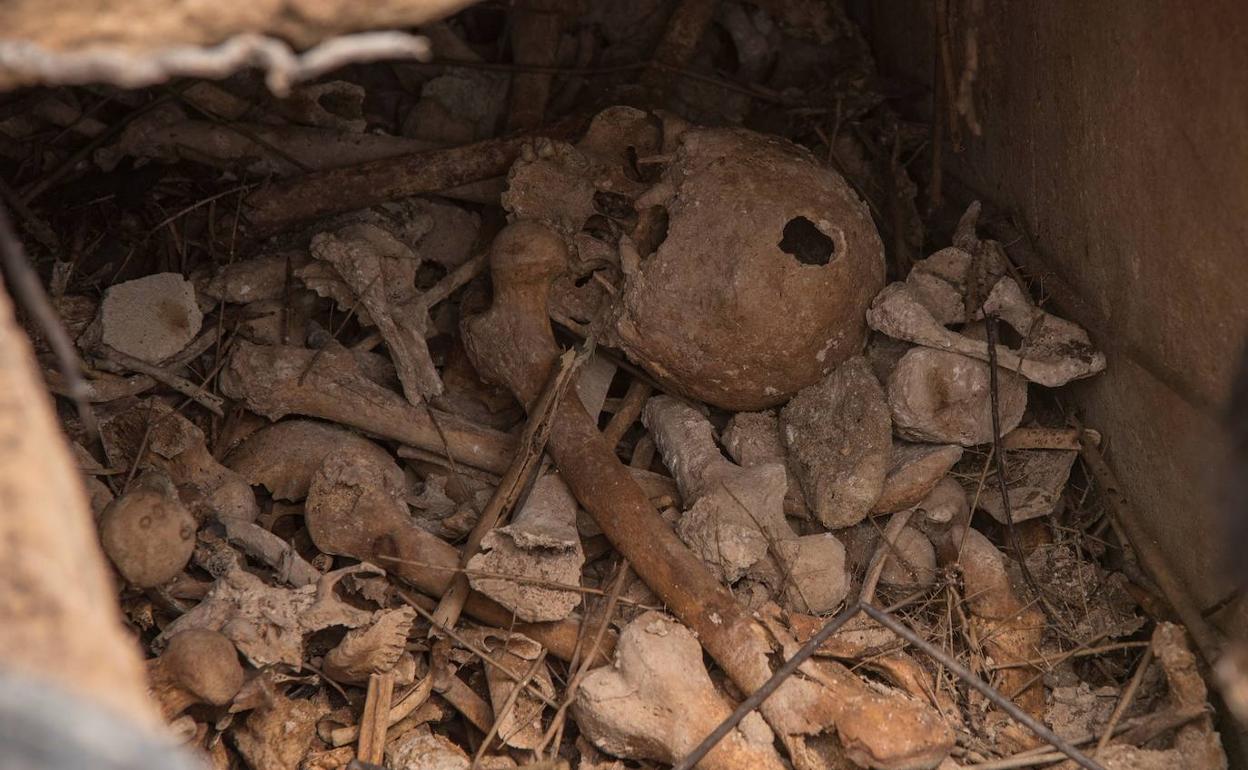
807, 243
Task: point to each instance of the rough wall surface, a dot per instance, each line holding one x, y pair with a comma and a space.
1117, 134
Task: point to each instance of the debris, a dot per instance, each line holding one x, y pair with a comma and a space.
838, 434
349, 512
374, 722
1076, 710
657, 702
1035, 483
197, 666
1196, 744
732, 514
517, 709
150, 318
268, 623
542, 548
1010, 629
876, 726
146, 533
424, 750
1098, 603
807, 251
943, 398
279, 735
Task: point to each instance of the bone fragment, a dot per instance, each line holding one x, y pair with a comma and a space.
275, 381
1055, 351
283, 457
657, 702
150, 318
945, 398
1035, 481
914, 472
177, 446
838, 435
542, 545
374, 649
1011, 628
351, 513
732, 513
366, 257
753, 438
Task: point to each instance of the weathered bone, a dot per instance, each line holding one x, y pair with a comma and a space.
838, 433
275, 381
946, 398
657, 702
380, 271
1054, 351
541, 544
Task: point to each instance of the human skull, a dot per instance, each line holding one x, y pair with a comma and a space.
752, 263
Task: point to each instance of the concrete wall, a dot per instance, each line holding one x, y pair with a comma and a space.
1117, 132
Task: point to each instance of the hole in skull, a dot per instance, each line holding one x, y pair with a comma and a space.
807, 243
